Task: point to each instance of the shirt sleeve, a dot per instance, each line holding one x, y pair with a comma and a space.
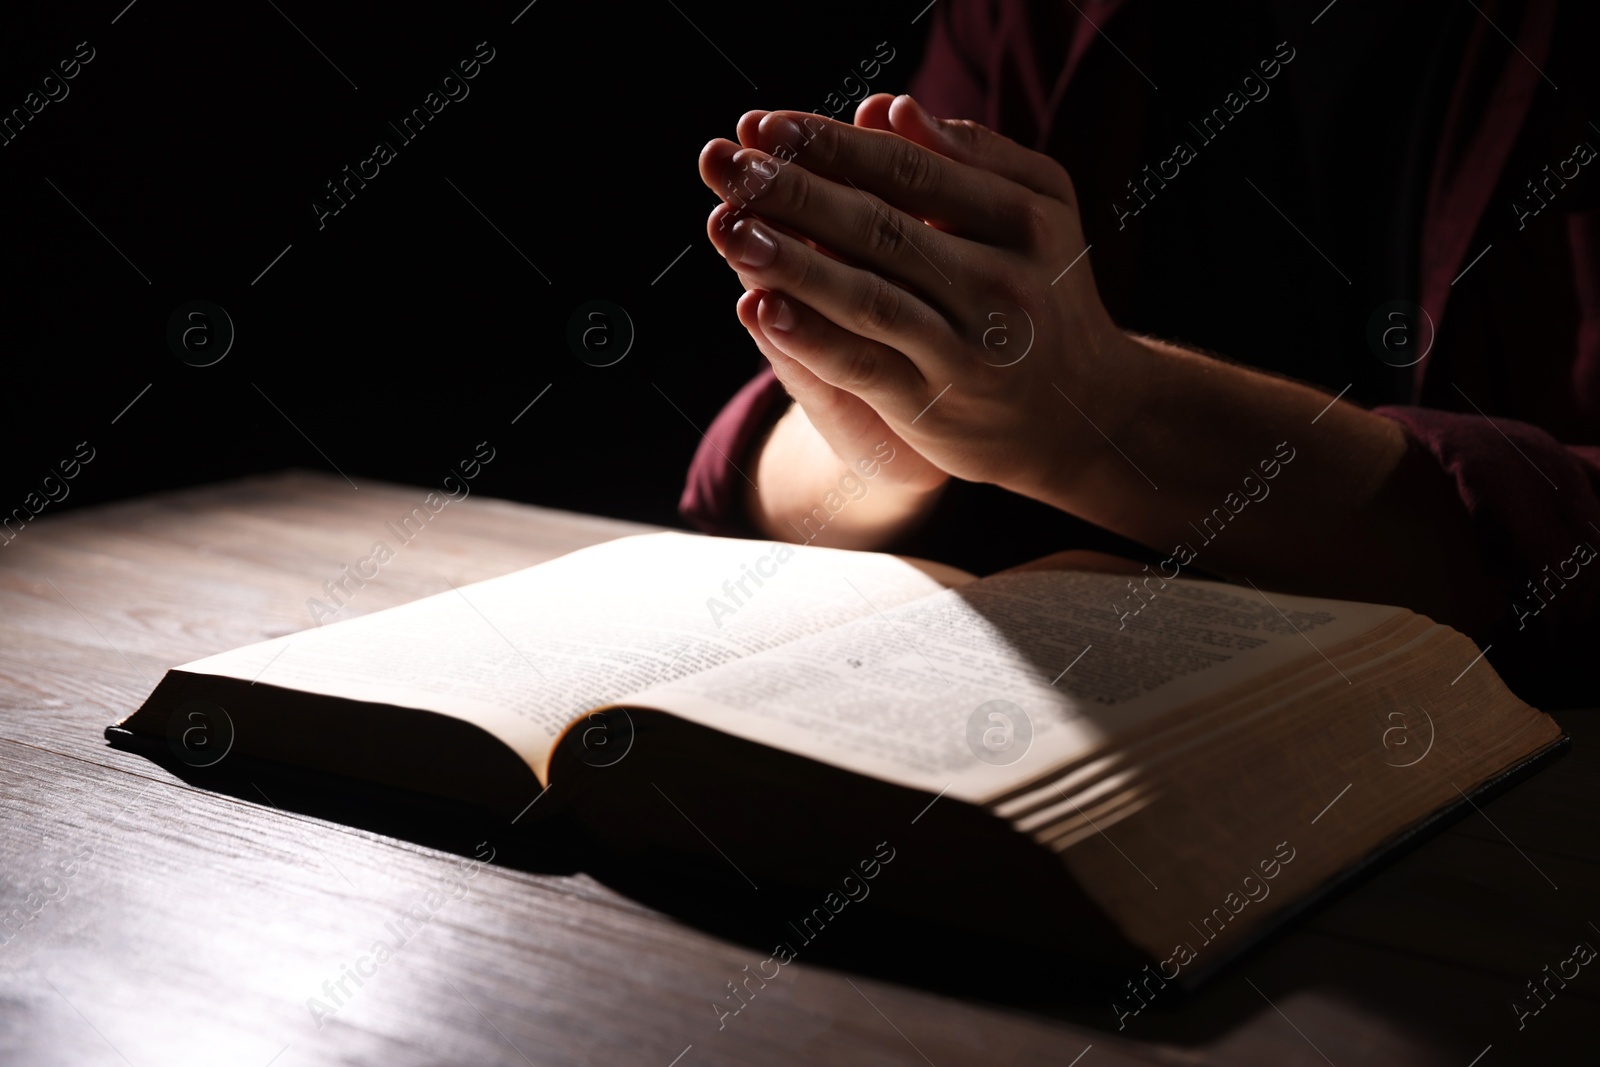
952, 81
1534, 506
713, 493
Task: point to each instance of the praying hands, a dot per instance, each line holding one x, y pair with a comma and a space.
926, 282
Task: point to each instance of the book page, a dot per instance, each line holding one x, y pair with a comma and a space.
525, 654
981, 689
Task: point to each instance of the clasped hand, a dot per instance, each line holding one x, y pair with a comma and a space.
925, 281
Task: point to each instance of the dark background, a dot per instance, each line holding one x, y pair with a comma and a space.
406, 330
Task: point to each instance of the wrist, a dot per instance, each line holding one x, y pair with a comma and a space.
1096, 421
811, 493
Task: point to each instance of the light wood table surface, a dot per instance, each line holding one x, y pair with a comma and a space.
152, 921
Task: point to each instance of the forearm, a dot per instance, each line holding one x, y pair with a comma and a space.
805, 492
1355, 512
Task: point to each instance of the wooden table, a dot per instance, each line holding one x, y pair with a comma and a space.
151, 921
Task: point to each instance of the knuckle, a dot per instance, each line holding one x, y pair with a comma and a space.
794, 191
1035, 222
859, 369
801, 274
878, 308
821, 141
1019, 289
883, 238
910, 168
1060, 182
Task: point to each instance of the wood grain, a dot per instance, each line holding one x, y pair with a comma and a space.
195, 924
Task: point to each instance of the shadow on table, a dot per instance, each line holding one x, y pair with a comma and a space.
995, 960
1441, 1013
759, 853
1001, 928
533, 844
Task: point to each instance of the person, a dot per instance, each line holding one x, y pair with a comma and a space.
1309, 299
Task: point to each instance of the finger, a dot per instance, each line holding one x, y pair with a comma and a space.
728, 191
860, 228
871, 114
877, 374
977, 145
833, 410
928, 184
723, 217
799, 381
749, 123
728, 219
857, 300
847, 422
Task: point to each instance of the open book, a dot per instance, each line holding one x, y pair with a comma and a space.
1189, 760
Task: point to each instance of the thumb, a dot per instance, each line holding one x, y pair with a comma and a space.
975, 144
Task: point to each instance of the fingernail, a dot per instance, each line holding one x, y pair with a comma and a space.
753, 246
751, 176
759, 167
781, 315
778, 131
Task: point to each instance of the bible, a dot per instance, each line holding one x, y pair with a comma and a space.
1148, 769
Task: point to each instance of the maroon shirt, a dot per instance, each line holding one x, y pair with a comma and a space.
1418, 156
